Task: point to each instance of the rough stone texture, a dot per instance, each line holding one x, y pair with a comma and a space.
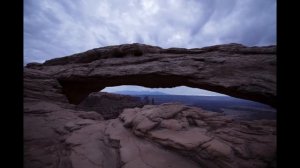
59, 135
109, 105
218, 141
233, 69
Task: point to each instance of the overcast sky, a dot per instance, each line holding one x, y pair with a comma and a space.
56, 28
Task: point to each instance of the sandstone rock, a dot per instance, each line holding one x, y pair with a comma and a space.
89, 150
233, 69
41, 107
91, 115
71, 126
184, 140
109, 105
40, 85
97, 143
58, 134
218, 141
135, 152
172, 124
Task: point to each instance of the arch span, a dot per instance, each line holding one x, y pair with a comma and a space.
232, 69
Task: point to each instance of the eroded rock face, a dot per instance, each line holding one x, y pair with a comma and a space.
155, 136
59, 135
209, 138
109, 105
233, 69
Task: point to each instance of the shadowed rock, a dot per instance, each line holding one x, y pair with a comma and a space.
233, 69
211, 139
109, 105
58, 134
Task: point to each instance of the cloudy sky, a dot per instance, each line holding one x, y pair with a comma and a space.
56, 28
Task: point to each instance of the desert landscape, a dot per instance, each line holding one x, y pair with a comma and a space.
68, 123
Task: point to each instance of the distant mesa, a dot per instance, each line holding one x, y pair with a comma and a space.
128, 92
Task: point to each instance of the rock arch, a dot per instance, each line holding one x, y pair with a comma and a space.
59, 134
232, 69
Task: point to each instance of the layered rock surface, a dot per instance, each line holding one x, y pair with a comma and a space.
155, 136
233, 69
109, 105
58, 134
211, 139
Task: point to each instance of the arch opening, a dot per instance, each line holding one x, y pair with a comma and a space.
110, 101
77, 88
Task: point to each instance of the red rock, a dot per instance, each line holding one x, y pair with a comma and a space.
59, 134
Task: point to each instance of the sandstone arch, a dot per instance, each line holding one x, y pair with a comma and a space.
232, 69
59, 134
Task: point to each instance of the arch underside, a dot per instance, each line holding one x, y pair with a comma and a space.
233, 69
78, 90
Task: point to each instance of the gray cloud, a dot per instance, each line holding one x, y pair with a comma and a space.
55, 28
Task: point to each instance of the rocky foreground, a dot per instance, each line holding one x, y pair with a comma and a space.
155, 136
58, 134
